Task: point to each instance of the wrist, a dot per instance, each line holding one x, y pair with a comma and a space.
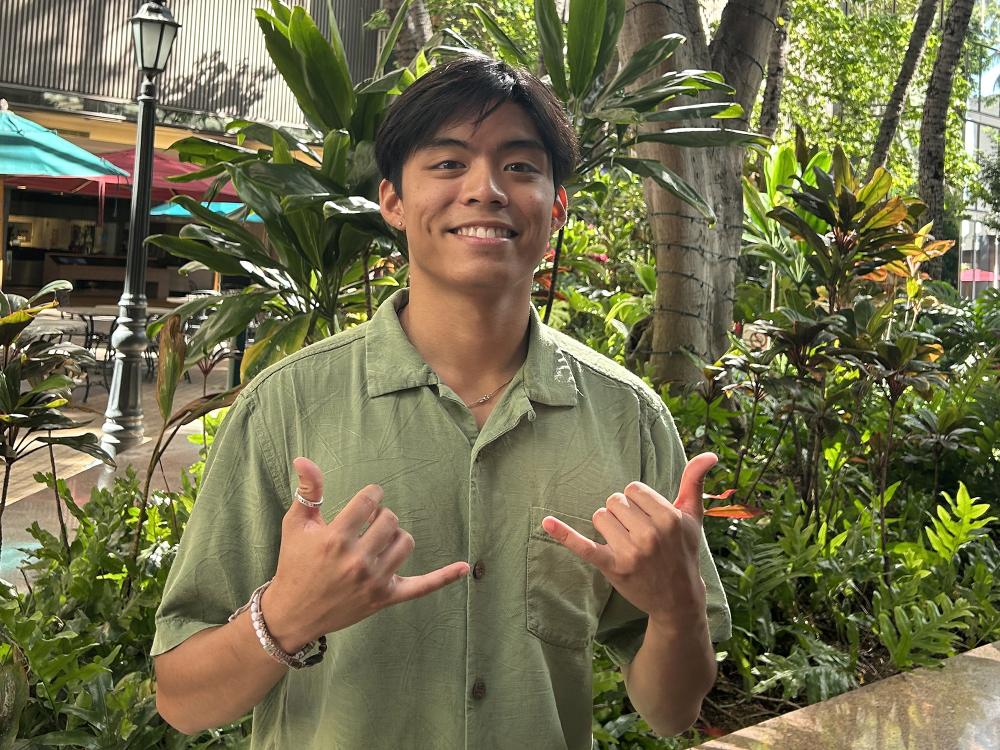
680, 620
284, 628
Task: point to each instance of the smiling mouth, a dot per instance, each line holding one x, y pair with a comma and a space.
492, 233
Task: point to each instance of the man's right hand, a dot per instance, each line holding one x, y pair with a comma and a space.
331, 575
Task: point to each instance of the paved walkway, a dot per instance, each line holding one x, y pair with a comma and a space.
956, 707
29, 501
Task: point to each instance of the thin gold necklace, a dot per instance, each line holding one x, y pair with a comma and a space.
488, 396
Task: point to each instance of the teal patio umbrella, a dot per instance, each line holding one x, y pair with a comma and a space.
177, 211
27, 148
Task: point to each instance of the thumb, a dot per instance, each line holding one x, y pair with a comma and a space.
689, 496
310, 487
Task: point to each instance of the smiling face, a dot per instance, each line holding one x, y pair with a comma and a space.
478, 205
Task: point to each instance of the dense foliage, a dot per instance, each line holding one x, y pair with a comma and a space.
841, 67
856, 414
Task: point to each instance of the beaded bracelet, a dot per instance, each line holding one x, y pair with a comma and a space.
298, 660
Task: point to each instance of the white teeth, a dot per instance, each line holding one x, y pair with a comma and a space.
485, 232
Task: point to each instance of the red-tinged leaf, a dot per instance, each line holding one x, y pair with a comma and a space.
741, 512
724, 496
710, 730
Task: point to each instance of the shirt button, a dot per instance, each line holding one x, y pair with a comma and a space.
478, 689
478, 570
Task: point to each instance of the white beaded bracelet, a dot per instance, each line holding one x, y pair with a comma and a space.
298, 660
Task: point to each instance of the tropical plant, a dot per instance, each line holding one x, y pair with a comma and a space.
72, 655
35, 382
771, 241
325, 257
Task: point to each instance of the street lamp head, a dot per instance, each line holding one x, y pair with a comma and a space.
153, 32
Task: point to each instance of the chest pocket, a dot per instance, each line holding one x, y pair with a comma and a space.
564, 596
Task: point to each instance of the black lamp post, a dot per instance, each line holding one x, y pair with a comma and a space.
153, 29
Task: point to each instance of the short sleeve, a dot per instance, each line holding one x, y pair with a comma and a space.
622, 626
230, 544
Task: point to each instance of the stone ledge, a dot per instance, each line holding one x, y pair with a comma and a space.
955, 707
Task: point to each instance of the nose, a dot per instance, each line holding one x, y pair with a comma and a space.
482, 185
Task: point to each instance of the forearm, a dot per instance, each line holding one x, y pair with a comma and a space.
216, 676
671, 674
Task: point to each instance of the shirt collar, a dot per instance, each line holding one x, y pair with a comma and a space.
393, 364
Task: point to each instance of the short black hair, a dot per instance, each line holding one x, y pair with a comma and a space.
471, 87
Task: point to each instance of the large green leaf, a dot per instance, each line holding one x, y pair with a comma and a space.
190, 309
277, 342
715, 110
704, 137
550, 39
381, 85
59, 285
12, 325
287, 61
197, 251
235, 230
85, 443
389, 44
583, 42
324, 68
231, 317
356, 210
55, 382
613, 20
507, 48
645, 60
779, 170
799, 228
876, 188
208, 151
171, 354
670, 182
262, 132
336, 146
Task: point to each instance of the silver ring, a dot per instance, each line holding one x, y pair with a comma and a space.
308, 503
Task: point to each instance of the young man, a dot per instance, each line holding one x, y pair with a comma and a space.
483, 442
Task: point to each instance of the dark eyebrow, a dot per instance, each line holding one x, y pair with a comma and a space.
511, 145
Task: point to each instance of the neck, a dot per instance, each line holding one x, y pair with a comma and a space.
474, 343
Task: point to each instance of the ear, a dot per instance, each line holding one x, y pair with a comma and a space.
560, 209
390, 204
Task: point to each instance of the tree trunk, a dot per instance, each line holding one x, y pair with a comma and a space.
935, 115
695, 263
415, 32
893, 109
777, 59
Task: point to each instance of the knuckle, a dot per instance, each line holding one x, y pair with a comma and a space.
407, 541
358, 570
633, 487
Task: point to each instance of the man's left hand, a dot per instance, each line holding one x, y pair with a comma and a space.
651, 555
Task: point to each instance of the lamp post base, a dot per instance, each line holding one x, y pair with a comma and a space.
123, 428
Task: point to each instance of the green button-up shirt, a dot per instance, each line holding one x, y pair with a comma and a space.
499, 659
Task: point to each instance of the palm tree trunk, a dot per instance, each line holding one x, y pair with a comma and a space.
894, 108
777, 59
696, 263
934, 123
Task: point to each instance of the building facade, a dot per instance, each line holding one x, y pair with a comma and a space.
76, 56
979, 260
69, 65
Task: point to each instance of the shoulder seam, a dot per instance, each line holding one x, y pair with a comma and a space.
650, 399
349, 338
